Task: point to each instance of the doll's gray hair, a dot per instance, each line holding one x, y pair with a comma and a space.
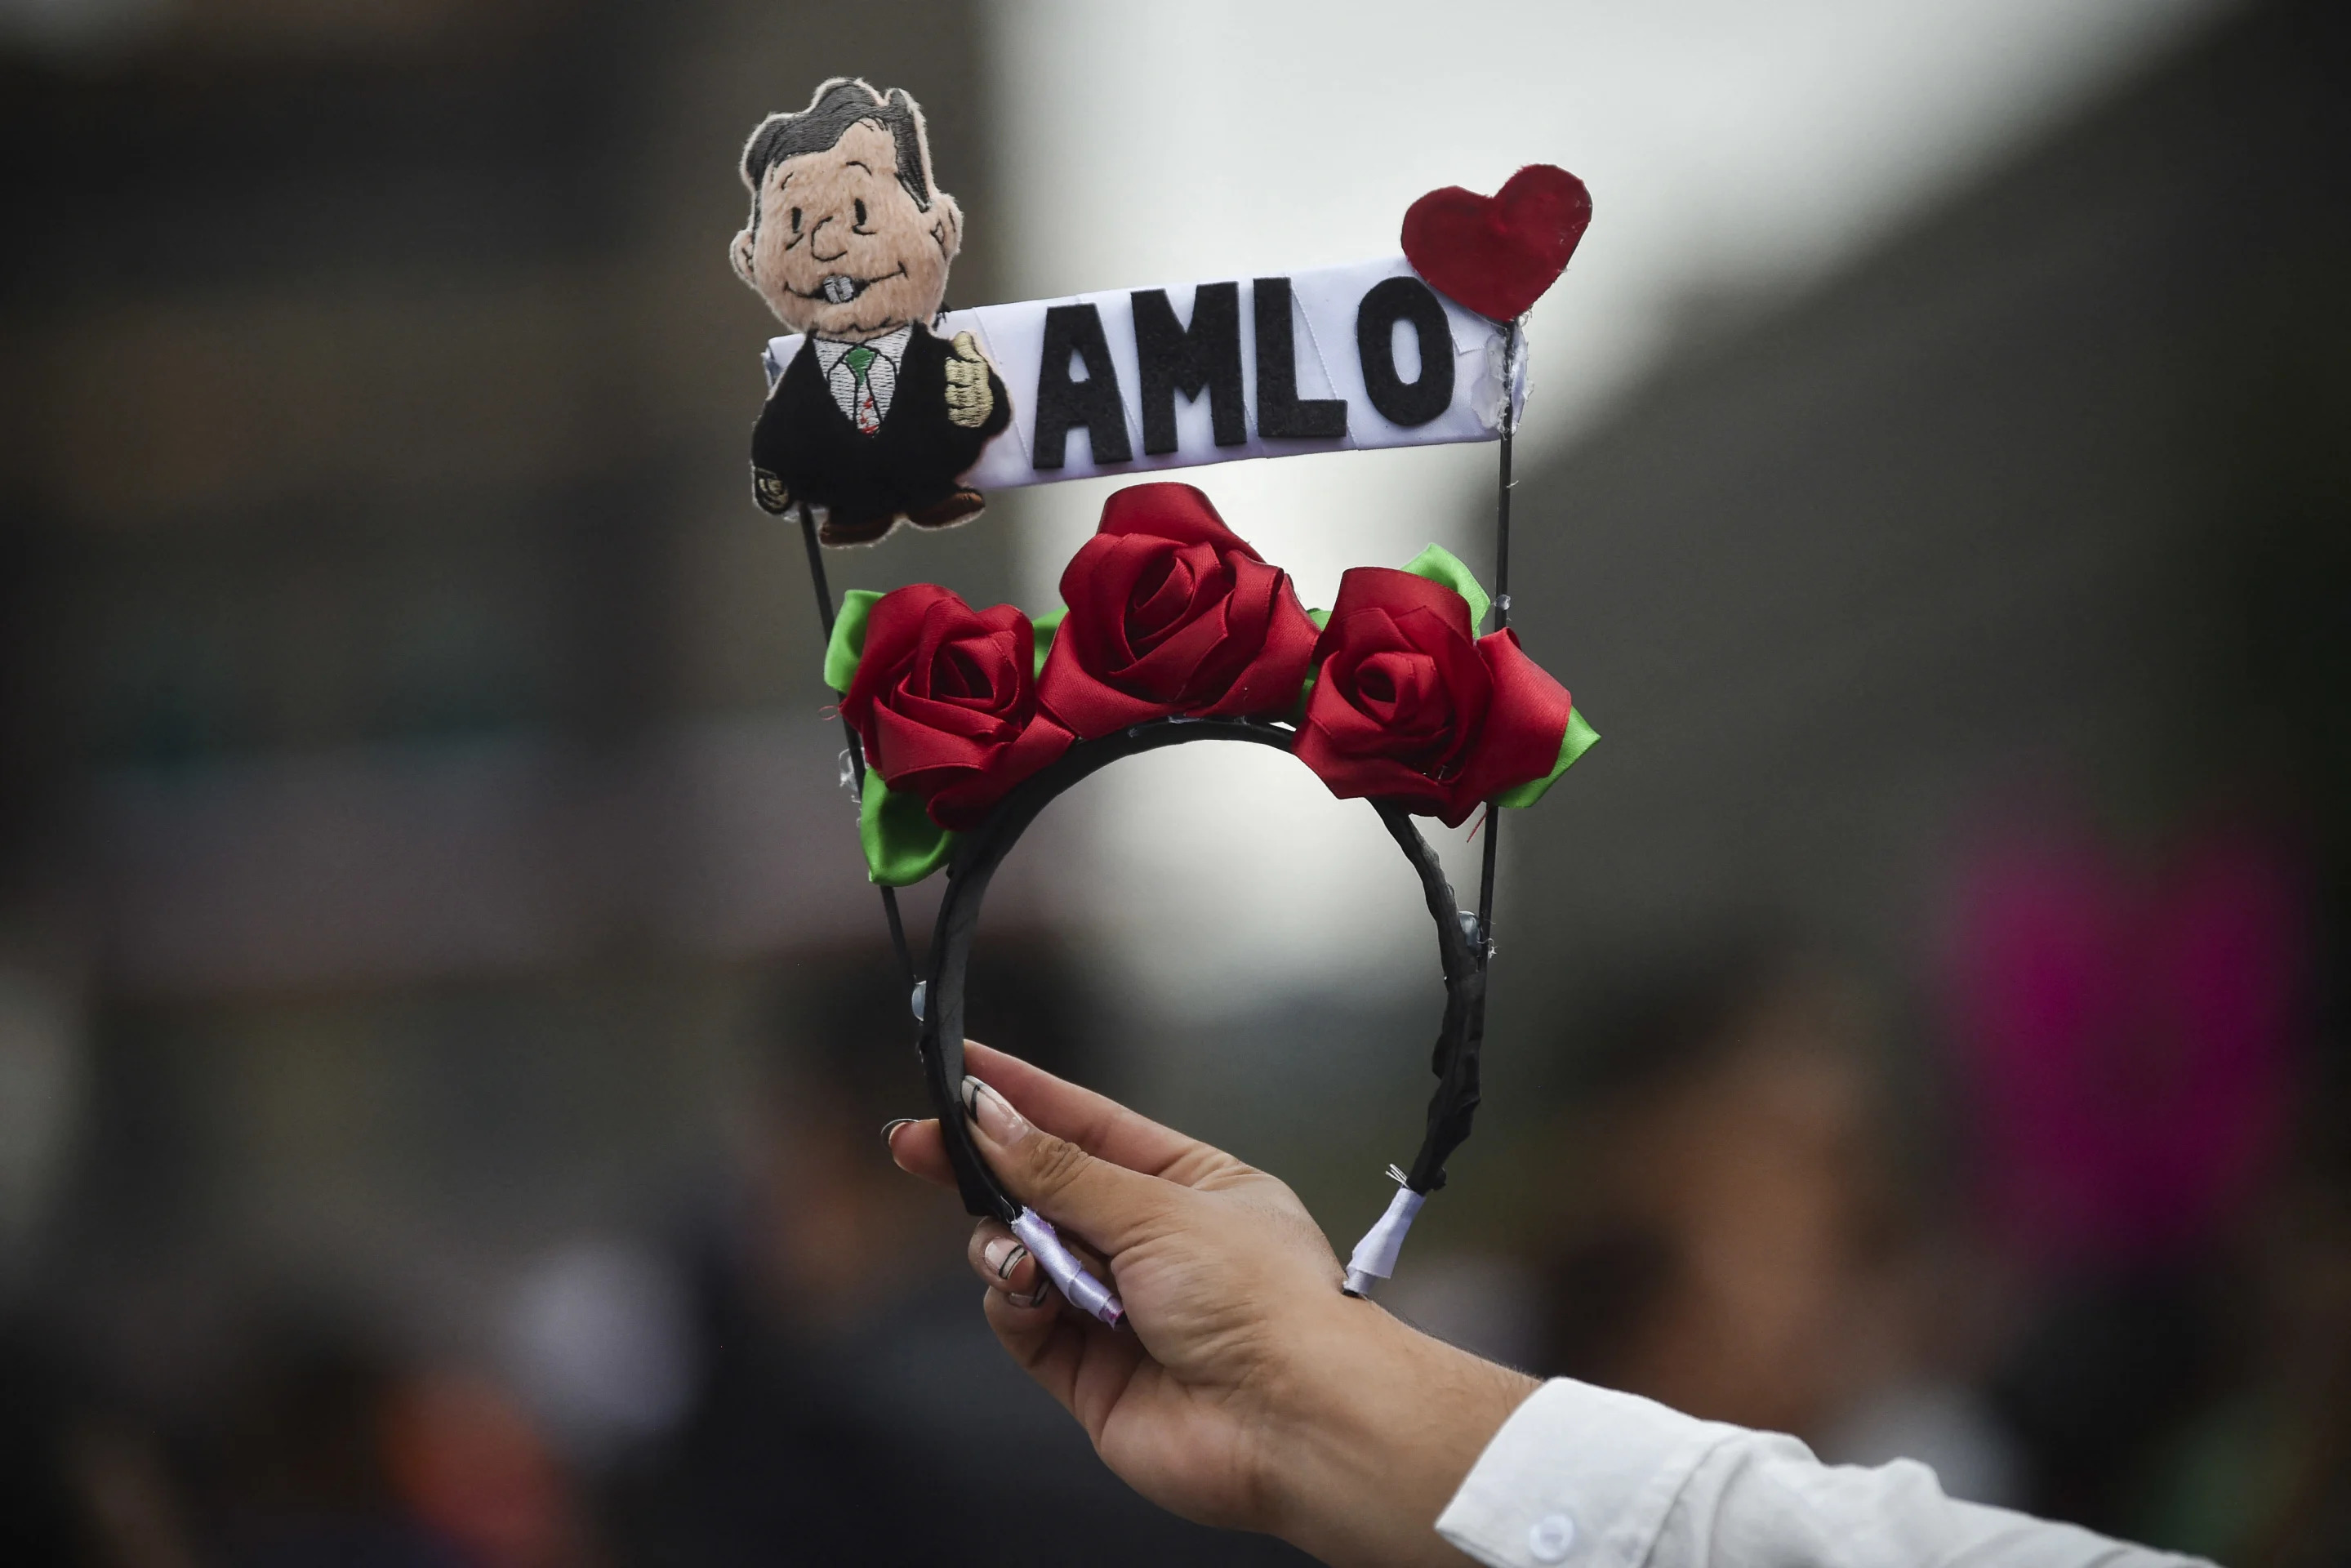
839, 104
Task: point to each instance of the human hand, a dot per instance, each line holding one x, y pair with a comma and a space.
1249, 1393
969, 401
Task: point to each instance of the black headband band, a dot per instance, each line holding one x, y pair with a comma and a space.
1460, 945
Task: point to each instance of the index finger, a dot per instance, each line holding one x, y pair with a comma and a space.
1095, 1122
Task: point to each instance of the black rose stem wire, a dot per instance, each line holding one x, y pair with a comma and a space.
856, 747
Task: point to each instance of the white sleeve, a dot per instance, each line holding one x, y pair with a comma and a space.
1592, 1478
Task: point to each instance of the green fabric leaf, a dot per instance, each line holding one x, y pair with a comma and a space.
903, 845
848, 641
1574, 744
1441, 565
1048, 625
1297, 714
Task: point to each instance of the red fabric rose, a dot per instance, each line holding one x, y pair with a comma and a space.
945, 700
1412, 705
1172, 612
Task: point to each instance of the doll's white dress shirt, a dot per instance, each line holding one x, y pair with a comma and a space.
1592, 1478
864, 399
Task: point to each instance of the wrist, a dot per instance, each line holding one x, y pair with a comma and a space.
1378, 1426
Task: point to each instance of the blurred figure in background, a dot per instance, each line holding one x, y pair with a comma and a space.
468, 1464
333, 1450
288, 1465
785, 1452
313, 1444
2106, 1277
2133, 1041
1737, 1238
849, 1403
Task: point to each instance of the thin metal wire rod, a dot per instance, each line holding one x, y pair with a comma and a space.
856, 747
1502, 492
1502, 619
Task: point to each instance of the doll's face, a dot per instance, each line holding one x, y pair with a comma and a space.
841, 249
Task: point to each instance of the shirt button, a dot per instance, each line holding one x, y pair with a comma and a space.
1552, 1534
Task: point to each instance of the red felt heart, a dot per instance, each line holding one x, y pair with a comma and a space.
1497, 254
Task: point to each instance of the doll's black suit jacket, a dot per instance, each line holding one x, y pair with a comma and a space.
915, 460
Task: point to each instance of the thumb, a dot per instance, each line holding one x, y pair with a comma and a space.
1107, 1204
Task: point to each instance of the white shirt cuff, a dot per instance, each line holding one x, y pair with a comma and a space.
1578, 1475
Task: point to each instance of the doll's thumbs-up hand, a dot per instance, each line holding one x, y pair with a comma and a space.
969, 401
1251, 1392
770, 491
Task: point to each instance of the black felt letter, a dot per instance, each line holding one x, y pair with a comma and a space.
1279, 411
1205, 358
1091, 404
1400, 401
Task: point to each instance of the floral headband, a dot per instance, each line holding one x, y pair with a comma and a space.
883, 410
971, 721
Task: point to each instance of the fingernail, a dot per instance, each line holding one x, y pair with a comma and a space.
1002, 1256
889, 1131
993, 1112
1035, 1297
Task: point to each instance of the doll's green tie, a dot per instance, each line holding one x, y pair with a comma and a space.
867, 416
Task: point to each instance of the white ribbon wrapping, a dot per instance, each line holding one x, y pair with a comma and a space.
1374, 1257
1072, 1278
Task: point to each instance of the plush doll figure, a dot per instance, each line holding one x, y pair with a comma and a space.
877, 417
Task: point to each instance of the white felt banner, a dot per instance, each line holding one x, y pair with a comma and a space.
1371, 357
